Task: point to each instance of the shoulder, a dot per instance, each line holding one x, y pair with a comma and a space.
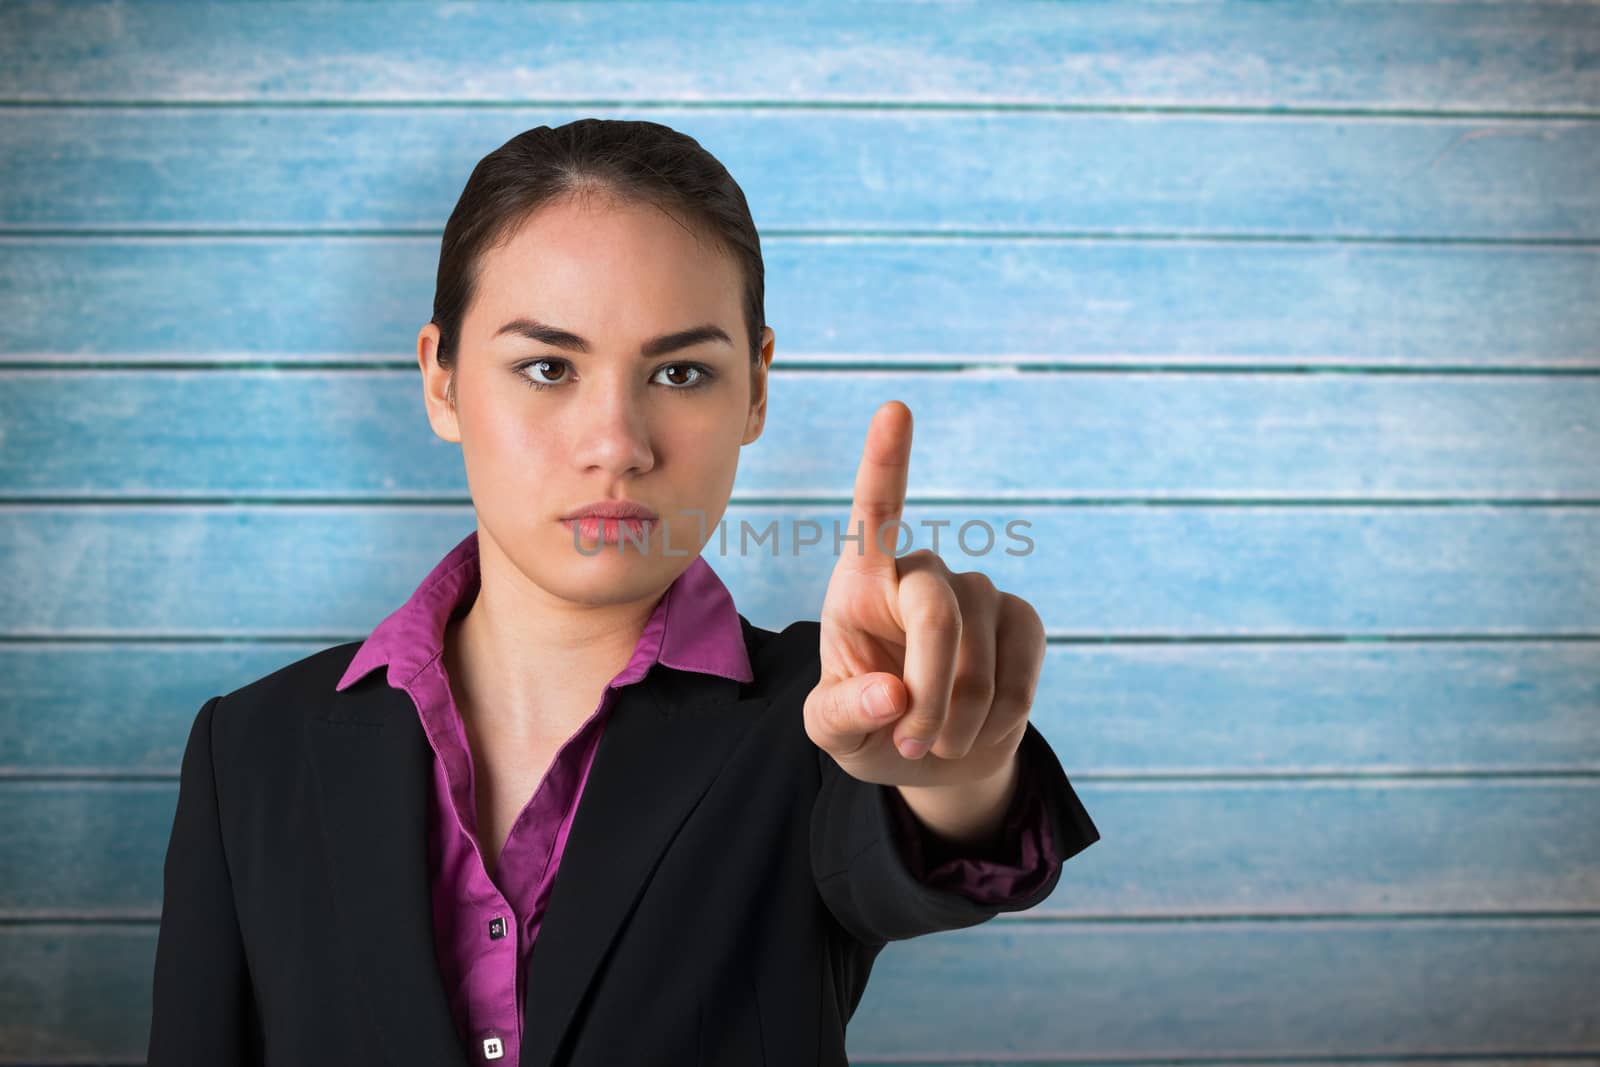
784, 660
311, 675
267, 712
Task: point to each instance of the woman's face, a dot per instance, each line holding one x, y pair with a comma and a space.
661, 429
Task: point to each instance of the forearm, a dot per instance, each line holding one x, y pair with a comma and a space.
970, 814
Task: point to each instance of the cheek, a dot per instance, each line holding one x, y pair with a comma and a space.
507, 452
715, 427
518, 438
703, 445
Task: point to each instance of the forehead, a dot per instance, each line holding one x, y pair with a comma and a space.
602, 267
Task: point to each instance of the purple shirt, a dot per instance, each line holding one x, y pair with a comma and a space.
485, 928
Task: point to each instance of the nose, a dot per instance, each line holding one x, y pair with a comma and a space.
612, 434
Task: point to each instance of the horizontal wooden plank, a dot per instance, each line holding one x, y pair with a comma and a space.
969, 301
1297, 847
1227, 991
1505, 57
1110, 710
76, 994
354, 434
248, 571
1486, 990
830, 171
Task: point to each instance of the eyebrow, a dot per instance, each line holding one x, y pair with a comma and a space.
535, 330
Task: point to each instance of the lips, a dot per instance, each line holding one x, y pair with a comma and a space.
610, 509
609, 529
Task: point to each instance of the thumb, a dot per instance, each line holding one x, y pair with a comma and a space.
842, 714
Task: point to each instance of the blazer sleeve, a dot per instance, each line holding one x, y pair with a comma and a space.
1007, 872
861, 870
202, 1009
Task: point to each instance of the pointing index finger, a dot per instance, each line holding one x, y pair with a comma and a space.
880, 492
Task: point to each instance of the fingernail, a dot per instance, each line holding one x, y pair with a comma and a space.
879, 706
913, 747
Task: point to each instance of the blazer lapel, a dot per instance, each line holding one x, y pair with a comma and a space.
665, 740
373, 766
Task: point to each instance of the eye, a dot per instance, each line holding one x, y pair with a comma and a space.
537, 384
703, 376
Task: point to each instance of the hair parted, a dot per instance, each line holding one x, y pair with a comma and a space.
626, 160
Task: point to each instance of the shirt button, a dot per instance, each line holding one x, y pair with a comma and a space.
492, 1049
497, 928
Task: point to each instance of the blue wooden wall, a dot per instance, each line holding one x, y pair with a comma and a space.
1280, 323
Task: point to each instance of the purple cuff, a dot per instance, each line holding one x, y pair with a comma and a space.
1013, 869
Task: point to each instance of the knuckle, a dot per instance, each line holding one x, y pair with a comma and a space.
1016, 699
1014, 736
822, 717
941, 618
977, 582
811, 718
944, 605
925, 726
1022, 614
973, 687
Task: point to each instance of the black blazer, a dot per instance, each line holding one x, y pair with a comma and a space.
721, 900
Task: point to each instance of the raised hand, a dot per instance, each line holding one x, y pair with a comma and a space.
956, 659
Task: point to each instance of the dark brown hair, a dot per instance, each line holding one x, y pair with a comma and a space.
637, 161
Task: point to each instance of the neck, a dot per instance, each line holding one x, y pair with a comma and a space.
525, 664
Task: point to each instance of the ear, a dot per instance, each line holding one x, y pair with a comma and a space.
436, 382
757, 417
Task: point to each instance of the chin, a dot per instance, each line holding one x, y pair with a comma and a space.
602, 581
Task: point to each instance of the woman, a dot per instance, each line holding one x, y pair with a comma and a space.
363, 865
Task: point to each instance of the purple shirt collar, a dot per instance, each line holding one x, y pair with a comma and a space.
695, 626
